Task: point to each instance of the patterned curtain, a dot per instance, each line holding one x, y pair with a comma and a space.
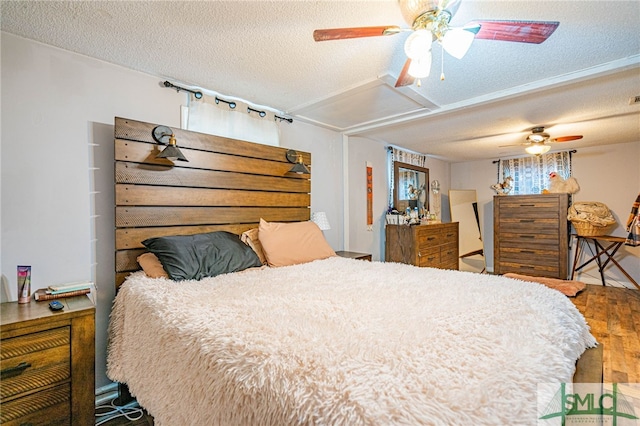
396, 154
531, 174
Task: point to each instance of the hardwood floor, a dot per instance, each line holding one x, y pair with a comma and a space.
613, 314
614, 317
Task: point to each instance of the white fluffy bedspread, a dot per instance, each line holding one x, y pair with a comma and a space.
342, 342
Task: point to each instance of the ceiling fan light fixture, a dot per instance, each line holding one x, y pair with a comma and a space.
457, 41
420, 67
537, 148
418, 43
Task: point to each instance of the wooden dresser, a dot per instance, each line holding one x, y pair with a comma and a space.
531, 235
433, 245
48, 363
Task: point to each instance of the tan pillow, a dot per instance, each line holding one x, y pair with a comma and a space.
151, 266
251, 239
292, 243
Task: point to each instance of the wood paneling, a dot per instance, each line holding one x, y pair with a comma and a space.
227, 185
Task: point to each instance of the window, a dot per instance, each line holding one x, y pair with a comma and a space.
531, 174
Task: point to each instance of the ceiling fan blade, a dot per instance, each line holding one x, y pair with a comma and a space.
567, 138
404, 79
518, 31
357, 32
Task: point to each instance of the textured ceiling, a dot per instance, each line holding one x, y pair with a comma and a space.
579, 81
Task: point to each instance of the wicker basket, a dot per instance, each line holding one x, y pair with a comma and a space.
586, 229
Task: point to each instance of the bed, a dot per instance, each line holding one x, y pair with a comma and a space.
310, 337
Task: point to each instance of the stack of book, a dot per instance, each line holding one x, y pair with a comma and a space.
63, 290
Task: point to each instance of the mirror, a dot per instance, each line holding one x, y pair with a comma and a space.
464, 210
411, 187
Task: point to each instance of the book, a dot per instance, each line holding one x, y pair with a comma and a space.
63, 288
43, 294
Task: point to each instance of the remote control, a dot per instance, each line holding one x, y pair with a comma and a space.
56, 306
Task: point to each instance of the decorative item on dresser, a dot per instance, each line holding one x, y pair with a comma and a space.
531, 235
48, 363
434, 245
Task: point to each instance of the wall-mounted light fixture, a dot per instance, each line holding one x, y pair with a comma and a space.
298, 167
164, 135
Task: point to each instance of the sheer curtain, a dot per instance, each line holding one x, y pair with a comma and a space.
531, 174
205, 116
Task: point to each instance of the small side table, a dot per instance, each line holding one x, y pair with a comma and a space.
600, 254
354, 255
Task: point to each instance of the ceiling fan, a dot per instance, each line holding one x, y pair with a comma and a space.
429, 20
536, 142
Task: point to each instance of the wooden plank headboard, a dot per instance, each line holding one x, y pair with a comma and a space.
227, 185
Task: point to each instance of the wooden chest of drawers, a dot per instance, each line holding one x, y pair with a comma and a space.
48, 363
433, 245
531, 235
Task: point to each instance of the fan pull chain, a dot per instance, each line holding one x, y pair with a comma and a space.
442, 65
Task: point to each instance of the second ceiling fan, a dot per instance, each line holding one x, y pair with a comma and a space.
429, 20
536, 142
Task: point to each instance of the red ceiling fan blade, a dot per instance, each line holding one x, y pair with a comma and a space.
567, 138
343, 33
404, 79
519, 31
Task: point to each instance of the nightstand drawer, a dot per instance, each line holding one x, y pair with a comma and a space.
34, 361
48, 407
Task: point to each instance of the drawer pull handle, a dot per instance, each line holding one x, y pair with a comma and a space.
527, 252
14, 371
527, 205
527, 220
527, 236
431, 238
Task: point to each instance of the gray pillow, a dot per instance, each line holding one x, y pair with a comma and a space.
193, 257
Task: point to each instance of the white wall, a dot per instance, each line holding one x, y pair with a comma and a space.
607, 174
56, 167
359, 152
327, 190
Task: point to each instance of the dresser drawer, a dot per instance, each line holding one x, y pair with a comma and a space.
449, 254
48, 407
429, 257
527, 239
529, 207
519, 267
442, 236
34, 361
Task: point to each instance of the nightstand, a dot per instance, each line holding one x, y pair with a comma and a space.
48, 363
354, 255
